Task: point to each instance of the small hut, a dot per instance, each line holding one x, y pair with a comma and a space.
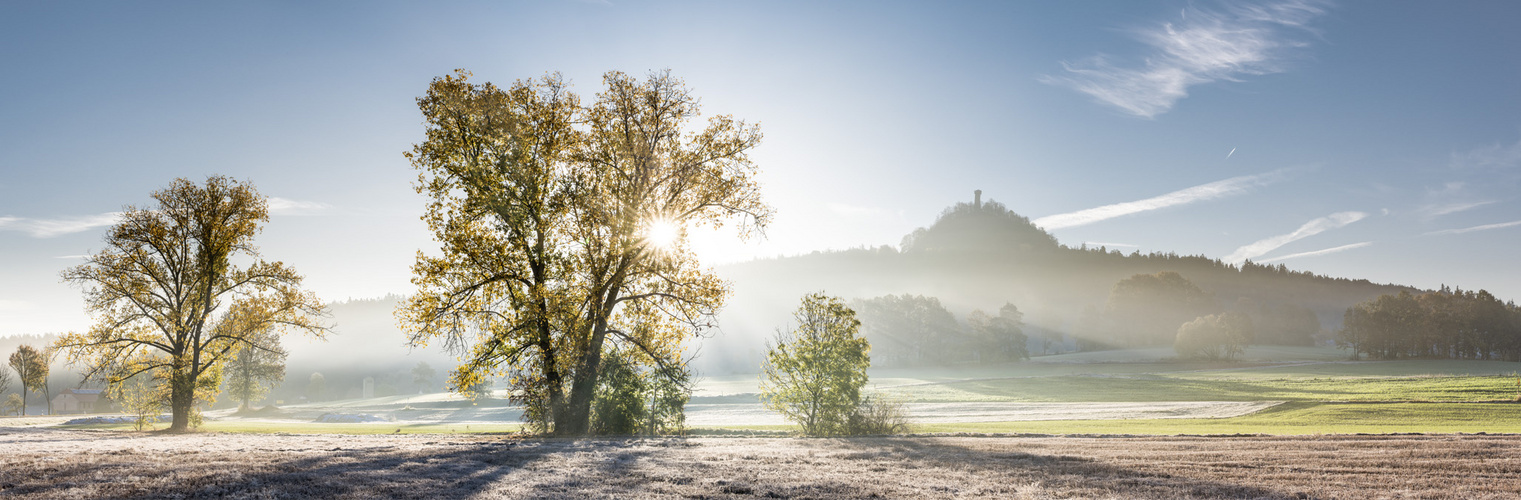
79, 401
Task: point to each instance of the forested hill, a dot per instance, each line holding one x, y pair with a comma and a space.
981, 256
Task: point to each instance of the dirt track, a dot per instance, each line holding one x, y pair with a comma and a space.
43, 463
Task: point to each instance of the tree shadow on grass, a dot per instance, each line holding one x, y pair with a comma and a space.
563, 468
1061, 474
439, 470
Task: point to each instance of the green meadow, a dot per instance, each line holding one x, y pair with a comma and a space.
1321, 391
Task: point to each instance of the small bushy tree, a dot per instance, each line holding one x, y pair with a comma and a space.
668, 397
813, 374
13, 405
141, 399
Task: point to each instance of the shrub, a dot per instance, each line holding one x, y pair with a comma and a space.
631, 399
878, 415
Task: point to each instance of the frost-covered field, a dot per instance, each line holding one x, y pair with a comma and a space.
718, 415
51, 463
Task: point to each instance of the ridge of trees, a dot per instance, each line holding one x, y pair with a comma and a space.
974, 254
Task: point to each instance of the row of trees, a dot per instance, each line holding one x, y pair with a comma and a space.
1448, 323
914, 330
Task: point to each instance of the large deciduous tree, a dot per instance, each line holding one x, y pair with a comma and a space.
255, 369
562, 229
31, 367
813, 374
180, 288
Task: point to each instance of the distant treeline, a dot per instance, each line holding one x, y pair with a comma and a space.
914, 330
1147, 310
1452, 324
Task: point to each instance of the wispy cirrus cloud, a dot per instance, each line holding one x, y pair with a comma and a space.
283, 206
1485, 227
1451, 198
1203, 46
1496, 156
1331, 250
1452, 208
49, 228
1203, 192
1311, 228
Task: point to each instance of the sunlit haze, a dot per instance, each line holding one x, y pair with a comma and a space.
1351, 139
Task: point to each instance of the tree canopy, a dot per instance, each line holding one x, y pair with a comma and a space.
562, 229
180, 289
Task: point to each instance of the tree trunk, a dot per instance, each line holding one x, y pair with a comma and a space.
583, 388
181, 399
584, 384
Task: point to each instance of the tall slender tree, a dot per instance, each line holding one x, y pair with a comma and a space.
180, 288
5, 382
32, 368
255, 369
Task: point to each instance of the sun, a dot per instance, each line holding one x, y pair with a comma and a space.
662, 234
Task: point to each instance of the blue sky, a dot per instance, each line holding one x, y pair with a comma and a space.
1377, 140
